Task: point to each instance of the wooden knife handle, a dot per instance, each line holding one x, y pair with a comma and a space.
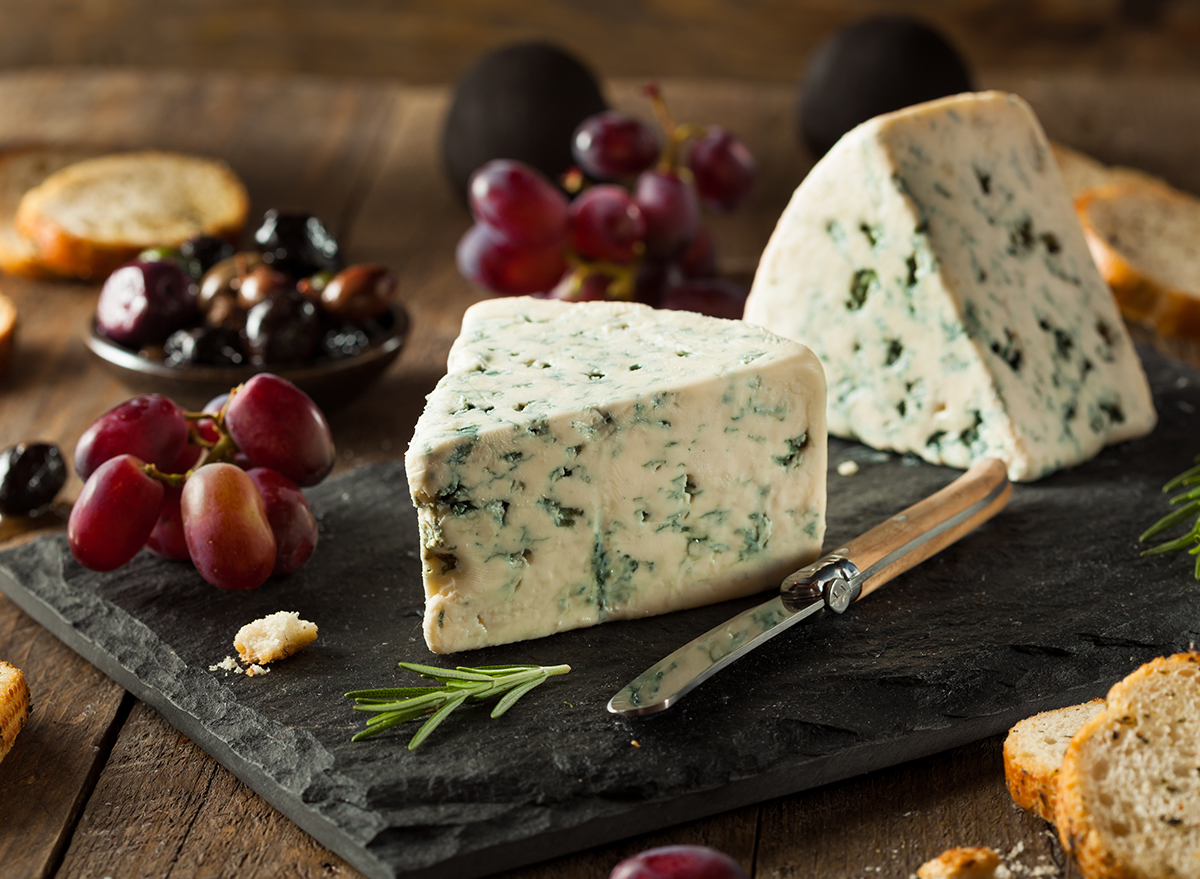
974, 497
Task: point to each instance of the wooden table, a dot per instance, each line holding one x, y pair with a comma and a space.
98, 784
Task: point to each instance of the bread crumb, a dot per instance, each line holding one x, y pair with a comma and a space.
977, 862
273, 637
226, 664
256, 670
847, 468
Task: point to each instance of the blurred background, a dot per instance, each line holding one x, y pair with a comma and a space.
434, 41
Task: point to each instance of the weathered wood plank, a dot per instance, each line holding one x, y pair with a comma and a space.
429, 41
49, 774
165, 808
888, 823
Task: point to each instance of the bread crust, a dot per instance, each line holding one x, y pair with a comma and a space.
42, 217
1081, 813
21, 169
963, 862
14, 705
8, 332
1171, 311
1030, 770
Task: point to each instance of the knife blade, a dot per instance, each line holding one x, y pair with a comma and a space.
835, 581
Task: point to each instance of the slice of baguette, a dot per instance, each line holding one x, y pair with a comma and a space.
22, 169
94, 215
8, 332
1033, 753
14, 705
1128, 801
1080, 172
1145, 239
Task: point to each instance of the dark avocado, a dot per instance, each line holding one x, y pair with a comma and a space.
519, 102
874, 66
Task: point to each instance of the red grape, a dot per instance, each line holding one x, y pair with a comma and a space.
490, 260
672, 213
606, 224
114, 514
278, 426
652, 281
723, 167
519, 203
712, 296
229, 537
700, 259
167, 538
612, 145
679, 862
151, 427
590, 287
292, 522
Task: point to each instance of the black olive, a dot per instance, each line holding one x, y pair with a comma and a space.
297, 244
203, 252
206, 345
874, 66
345, 341
284, 328
30, 477
519, 102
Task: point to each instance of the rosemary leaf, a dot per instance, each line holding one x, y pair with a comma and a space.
395, 705
513, 695
1184, 478
433, 722
1170, 520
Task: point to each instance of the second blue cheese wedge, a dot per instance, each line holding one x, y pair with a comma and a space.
934, 262
585, 462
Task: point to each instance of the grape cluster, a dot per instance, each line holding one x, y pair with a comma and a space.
634, 229
290, 300
221, 487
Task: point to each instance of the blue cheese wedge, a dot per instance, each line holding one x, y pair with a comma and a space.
586, 462
933, 261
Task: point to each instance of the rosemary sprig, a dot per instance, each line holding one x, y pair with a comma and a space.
395, 705
1189, 505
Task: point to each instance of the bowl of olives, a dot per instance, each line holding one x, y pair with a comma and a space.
194, 321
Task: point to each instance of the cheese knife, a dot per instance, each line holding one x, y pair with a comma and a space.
834, 582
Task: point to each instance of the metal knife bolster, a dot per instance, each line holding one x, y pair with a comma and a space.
833, 578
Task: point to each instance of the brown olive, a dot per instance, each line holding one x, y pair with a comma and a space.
225, 277
359, 293
220, 307
261, 283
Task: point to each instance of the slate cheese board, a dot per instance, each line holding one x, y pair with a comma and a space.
1046, 605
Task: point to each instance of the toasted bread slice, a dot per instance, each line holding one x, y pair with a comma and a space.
1128, 802
21, 170
8, 332
1033, 753
14, 705
1145, 239
94, 215
975, 862
1080, 172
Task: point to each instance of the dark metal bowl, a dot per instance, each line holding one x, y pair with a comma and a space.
331, 383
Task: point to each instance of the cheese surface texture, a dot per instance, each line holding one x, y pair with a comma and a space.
584, 462
933, 261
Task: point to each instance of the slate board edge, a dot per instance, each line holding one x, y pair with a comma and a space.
637, 820
321, 828
625, 822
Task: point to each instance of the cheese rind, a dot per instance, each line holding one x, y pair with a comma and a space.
934, 263
584, 462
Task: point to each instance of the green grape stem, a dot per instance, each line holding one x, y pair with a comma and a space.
395, 705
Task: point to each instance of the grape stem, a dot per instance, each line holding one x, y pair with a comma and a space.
676, 133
